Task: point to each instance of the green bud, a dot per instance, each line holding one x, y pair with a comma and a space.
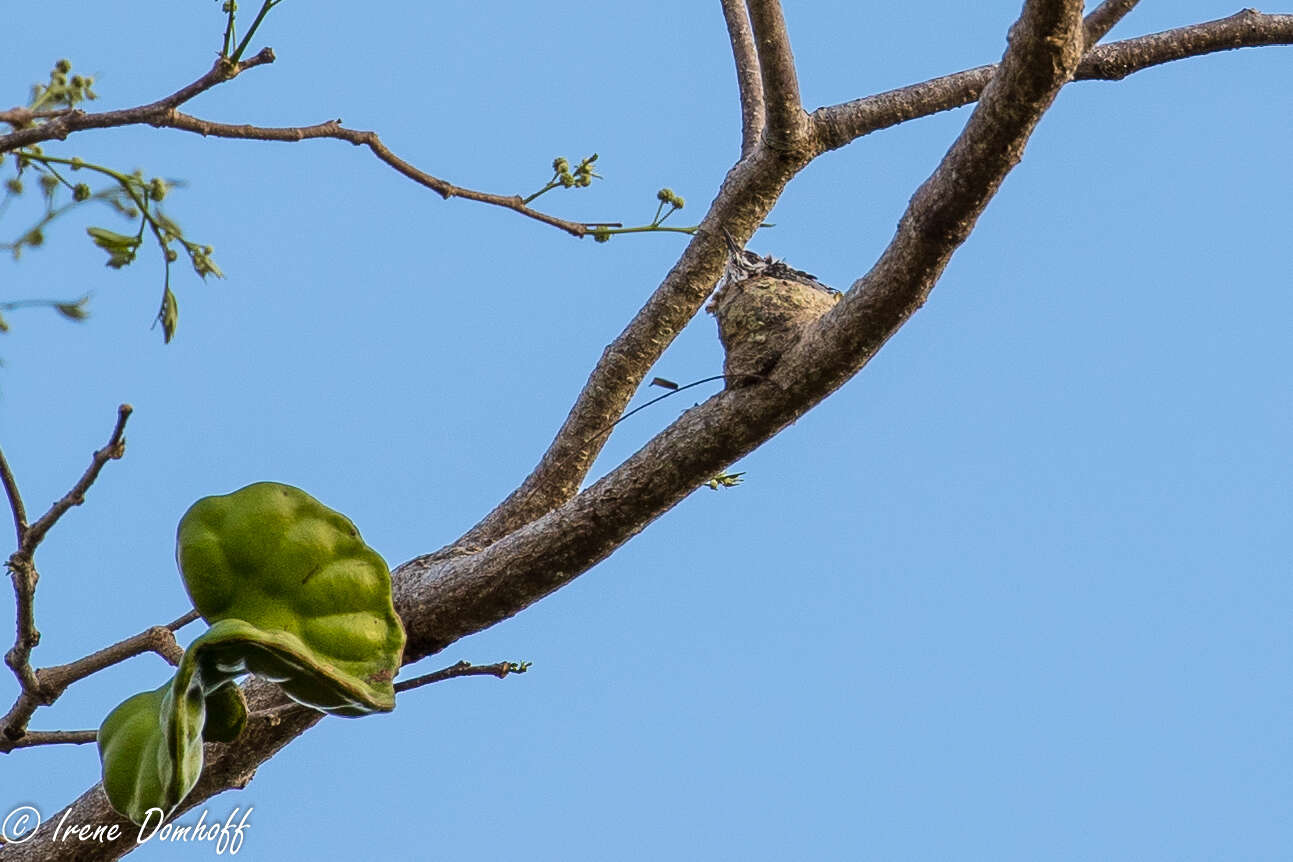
81, 192
13, 186
157, 189
72, 310
63, 67
168, 315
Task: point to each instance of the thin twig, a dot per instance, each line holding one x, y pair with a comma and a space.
33, 738
180, 622
749, 85
77, 120
1097, 24
15, 499
23, 575
49, 683
164, 114
114, 449
334, 130
464, 668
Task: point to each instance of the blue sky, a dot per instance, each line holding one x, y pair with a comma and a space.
1020, 590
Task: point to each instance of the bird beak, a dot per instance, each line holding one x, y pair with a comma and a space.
732, 245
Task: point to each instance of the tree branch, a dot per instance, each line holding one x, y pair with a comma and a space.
748, 81
51, 682
64, 123
334, 130
164, 114
23, 575
15, 498
787, 126
838, 125
112, 450
464, 668
33, 738
1104, 18
444, 596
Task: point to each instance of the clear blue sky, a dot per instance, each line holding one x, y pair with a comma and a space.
1021, 590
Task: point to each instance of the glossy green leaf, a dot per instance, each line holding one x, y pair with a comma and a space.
293, 595
278, 560
151, 745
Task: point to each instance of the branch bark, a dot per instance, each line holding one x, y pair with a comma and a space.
546, 534
786, 126
838, 125
749, 84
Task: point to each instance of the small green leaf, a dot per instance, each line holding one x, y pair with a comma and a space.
120, 248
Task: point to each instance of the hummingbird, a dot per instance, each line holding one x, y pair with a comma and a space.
743, 264
763, 305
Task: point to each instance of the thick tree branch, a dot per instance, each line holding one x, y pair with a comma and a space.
838, 125
744, 200
749, 83
446, 596
786, 126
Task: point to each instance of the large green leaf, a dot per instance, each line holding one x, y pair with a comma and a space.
278, 559
293, 595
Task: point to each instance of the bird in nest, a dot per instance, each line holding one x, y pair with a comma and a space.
763, 305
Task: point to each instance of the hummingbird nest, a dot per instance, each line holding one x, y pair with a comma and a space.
761, 317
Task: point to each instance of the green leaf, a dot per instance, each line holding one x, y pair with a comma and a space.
274, 557
120, 248
293, 595
151, 745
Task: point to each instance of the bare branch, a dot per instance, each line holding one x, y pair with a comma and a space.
464, 668
180, 622
114, 449
65, 123
748, 81
49, 737
1104, 18
787, 124
334, 130
48, 684
838, 125
15, 498
23, 575
1246, 29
